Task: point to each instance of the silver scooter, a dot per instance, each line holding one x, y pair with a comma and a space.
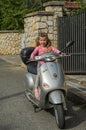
52, 88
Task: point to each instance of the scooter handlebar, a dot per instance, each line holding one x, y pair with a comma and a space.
48, 58
63, 55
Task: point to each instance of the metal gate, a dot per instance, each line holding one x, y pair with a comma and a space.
73, 28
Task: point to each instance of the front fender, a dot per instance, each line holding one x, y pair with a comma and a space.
56, 97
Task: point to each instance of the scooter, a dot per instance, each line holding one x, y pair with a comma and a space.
52, 88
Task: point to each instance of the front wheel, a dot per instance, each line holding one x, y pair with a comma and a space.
59, 115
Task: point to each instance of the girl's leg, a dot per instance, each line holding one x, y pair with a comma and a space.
36, 87
37, 82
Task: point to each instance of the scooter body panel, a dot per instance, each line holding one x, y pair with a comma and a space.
51, 74
55, 97
30, 80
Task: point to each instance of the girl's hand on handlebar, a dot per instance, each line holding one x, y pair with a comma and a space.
31, 59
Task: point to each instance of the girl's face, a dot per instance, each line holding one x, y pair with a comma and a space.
42, 41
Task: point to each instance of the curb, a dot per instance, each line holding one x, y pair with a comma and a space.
14, 60
76, 89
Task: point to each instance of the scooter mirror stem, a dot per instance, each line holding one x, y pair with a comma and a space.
69, 44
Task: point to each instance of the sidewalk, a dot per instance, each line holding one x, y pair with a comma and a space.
12, 59
75, 83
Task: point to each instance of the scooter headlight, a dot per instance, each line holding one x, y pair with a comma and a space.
45, 85
50, 58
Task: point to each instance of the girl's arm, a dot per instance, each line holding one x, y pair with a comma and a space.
34, 53
55, 50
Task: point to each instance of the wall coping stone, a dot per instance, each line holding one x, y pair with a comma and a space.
54, 3
39, 13
10, 31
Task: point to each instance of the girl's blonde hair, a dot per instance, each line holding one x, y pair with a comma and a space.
47, 39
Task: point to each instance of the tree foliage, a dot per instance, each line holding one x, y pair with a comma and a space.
12, 12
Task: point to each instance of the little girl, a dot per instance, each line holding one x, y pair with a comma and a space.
43, 46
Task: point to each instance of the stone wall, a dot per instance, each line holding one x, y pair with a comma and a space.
37, 22
10, 42
57, 8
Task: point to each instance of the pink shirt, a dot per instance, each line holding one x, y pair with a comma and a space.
39, 50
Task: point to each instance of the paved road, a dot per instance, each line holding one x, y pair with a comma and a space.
16, 113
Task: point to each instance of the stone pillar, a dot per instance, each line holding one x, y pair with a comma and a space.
36, 22
57, 8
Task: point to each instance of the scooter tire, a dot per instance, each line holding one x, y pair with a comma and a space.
59, 115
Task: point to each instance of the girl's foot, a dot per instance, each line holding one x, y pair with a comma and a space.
36, 92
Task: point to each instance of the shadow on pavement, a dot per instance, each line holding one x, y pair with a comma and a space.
5, 127
75, 117
12, 95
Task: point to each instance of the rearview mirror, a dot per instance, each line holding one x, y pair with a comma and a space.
70, 43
